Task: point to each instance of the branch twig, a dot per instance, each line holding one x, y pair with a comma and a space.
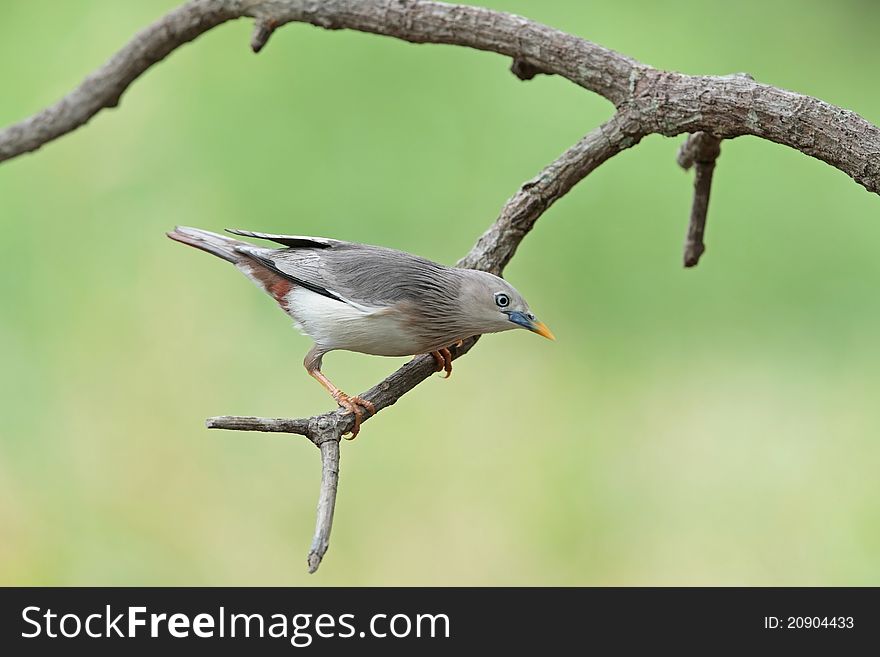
326, 501
523, 70
700, 150
263, 28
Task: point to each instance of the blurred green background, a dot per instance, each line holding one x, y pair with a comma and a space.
710, 426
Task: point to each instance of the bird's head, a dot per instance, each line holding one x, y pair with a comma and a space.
492, 305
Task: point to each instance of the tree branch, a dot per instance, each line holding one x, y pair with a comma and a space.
337, 422
104, 87
496, 246
648, 100
667, 103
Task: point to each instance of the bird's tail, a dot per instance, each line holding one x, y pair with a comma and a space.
218, 245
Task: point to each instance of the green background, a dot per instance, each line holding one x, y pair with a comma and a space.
709, 426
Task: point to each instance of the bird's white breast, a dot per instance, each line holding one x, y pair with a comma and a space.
337, 325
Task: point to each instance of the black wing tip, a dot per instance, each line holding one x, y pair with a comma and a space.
292, 241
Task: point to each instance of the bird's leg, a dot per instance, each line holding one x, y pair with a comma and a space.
443, 360
350, 404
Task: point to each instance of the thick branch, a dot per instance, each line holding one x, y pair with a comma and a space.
534, 45
665, 103
731, 106
700, 150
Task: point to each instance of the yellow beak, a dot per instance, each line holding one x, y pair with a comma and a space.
541, 329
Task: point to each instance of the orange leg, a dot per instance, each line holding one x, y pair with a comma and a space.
350, 404
443, 359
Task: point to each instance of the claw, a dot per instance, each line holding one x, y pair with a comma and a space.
350, 404
354, 405
360, 401
443, 360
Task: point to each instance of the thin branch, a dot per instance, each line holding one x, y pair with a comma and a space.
492, 252
326, 431
326, 502
338, 422
700, 150
498, 245
250, 423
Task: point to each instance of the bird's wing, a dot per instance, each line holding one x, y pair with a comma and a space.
302, 270
301, 263
368, 277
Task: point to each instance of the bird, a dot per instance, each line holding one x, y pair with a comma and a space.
370, 299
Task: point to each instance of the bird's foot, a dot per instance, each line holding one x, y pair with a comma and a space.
354, 405
443, 361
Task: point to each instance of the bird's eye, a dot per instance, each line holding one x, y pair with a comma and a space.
502, 300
